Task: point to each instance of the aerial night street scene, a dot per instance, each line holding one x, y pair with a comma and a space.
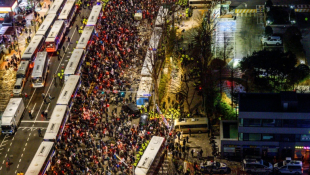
154, 87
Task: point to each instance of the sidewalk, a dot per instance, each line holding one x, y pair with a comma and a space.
8, 76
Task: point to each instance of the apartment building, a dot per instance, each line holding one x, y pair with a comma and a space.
271, 124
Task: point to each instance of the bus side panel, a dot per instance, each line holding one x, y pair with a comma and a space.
20, 112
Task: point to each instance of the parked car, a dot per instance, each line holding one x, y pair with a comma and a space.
289, 166
132, 109
18, 87
256, 166
272, 40
213, 167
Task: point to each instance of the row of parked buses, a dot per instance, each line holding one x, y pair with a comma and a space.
146, 86
41, 161
47, 39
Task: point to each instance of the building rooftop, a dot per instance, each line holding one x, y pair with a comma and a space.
6, 3
275, 102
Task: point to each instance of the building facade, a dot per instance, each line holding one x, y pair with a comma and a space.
276, 124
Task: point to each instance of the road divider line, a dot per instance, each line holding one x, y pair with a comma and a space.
8, 149
20, 160
6, 155
17, 166
22, 155
31, 98
26, 144
3, 161
11, 144
31, 121
24, 149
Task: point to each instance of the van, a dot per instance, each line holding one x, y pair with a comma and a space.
12, 115
18, 87
272, 40
132, 109
196, 125
256, 166
144, 120
291, 167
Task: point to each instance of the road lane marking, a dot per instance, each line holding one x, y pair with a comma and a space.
17, 166
4, 140
0, 168
22, 155
26, 144
24, 149
11, 144
3, 161
8, 149
32, 110
6, 155
31, 98
27, 139
28, 127
20, 160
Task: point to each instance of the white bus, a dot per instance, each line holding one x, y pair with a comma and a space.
94, 15
147, 163
85, 38
46, 25
68, 12
41, 161
40, 70
12, 115
56, 7
55, 36
56, 123
34, 46
196, 125
161, 17
74, 64
69, 91
144, 92
23, 70
199, 3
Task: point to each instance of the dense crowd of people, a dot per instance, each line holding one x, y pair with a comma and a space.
97, 137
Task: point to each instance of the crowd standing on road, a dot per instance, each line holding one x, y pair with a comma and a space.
97, 138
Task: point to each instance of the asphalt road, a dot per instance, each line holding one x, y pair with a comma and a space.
21, 147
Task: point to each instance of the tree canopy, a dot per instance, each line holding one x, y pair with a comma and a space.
272, 71
291, 42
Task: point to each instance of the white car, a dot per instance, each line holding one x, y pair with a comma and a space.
271, 40
214, 167
289, 166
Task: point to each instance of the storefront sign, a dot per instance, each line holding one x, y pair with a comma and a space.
305, 137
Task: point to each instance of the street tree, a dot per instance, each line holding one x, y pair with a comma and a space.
291, 42
270, 71
268, 31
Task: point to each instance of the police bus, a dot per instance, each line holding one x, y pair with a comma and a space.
56, 123
94, 15
55, 36
86, 38
144, 91
148, 163
69, 91
36, 44
46, 25
74, 64
56, 7
68, 12
40, 70
161, 17
42, 159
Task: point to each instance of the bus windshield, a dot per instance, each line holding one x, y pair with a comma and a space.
37, 80
17, 87
6, 127
50, 45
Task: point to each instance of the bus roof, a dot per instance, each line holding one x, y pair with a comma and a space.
85, 37
68, 90
55, 122
67, 9
46, 24
149, 155
93, 17
191, 121
34, 43
39, 158
54, 31
160, 19
55, 7
23, 67
147, 67
145, 87
11, 108
39, 64
74, 61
